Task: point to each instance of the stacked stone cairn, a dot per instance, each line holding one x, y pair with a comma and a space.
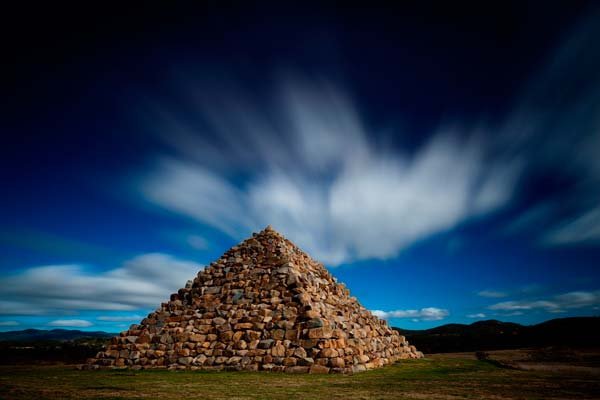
265, 305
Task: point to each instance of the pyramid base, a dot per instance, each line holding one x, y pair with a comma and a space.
182, 364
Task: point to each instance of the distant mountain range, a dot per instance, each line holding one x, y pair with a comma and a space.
494, 335
481, 335
32, 335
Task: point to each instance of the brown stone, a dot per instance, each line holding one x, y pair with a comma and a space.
328, 353
289, 361
253, 335
309, 343
185, 360
291, 334
363, 359
322, 361
196, 337
278, 334
278, 350
112, 353
299, 352
237, 336
317, 333
144, 338
337, 362
318, 369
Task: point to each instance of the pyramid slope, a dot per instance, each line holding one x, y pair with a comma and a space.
264, 305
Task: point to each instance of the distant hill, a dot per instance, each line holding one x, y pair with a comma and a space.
480, 335
35, 346
494, 335
34, 335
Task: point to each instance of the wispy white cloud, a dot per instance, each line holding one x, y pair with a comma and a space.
424, 314
198, 242
311, 169
510, 314
526, 305
492, 293
142, 282
582, 229
555, 304
120, 318
72, 323
478, 315
534, 218
9, 323
304, 160
556, 127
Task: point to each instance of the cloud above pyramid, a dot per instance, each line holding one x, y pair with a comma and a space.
303, 155
308, 166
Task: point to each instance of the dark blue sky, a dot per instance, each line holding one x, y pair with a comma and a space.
440, 159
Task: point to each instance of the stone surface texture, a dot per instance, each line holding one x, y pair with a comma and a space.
265, 305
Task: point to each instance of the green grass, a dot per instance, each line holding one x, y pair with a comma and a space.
432, 378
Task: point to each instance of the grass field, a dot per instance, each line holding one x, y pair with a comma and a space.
436, 377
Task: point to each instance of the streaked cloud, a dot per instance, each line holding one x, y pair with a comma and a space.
510, 314
478, 315
555, 127
303, 158
9, 323
142, 282
47, 243
492, 293
308, 165
424, 314
534, 218
198, 242
525, 305
583, 229
555, 304
71, 323
120, 318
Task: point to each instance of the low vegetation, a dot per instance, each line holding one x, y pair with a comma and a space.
449, 376
50, 351
496, 335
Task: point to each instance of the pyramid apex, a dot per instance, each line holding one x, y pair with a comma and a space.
269, 232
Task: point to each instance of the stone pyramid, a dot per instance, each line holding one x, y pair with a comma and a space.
264, 305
